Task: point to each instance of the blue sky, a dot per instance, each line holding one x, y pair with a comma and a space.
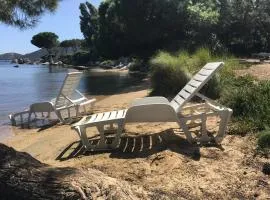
64, 22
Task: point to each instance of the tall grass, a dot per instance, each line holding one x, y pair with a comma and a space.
170, 72
249, 100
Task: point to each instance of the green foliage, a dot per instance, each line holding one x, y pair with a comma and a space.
264, 140
244, 25
241, 127
205, 11
89, 23
74, 44
124, 27
168, 75
249, 100
67, 59
138, 65
25, 14
81, 58
45, 40
172, 67
140, 27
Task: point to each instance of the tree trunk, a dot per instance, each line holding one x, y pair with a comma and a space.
50, 56
24, 177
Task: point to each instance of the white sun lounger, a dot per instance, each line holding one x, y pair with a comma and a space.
159, 109
67, 99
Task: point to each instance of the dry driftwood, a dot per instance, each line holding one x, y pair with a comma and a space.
24, 177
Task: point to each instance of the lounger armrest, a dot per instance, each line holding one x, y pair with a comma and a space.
149, 101
90, 101
213, 104
79, 93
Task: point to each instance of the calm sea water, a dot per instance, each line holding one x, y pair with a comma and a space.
19, 87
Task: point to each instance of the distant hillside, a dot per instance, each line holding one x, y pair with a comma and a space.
10, 56
36, 55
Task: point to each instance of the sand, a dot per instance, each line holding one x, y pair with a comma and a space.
156, 158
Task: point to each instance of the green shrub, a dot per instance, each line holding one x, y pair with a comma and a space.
108, 63
200, 58
241, 127
168, 75
138, 65
264, 140
81, 58
67, 59
249, 100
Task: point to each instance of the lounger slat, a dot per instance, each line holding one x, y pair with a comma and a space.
106, 116
179, 100
205, 72
120, 113
184, 94
93, 117
113, 115
199, 77
124, 113
99, 117
194, 83
189, 88
210, 66
174, 104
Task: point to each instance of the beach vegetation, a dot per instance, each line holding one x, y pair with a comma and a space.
175, 70
263, 143
74, 44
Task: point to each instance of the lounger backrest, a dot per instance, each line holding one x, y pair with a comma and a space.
195, 84
68, 88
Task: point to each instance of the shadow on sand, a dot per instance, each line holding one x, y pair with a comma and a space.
140, 146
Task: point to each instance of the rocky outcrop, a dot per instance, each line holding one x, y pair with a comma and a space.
24, 177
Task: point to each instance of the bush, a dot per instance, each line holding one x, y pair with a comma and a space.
81, 58
263, 144
67, 59
138, 65
168, 75
264, 140
249, 100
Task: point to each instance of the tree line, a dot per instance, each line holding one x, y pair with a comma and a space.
140, 27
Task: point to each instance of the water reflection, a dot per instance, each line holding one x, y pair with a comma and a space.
108, 83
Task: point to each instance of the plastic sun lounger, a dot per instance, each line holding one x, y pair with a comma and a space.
159, 109
67, 99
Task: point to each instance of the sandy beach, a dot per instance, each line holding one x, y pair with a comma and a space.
168, 167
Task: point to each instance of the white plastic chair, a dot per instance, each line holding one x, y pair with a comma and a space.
159, 109
68, 99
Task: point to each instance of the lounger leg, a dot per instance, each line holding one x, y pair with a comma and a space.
116, 140
29, 119
204, 138
12, 119
58, 114
102, 143
184, 127
77, 110
82, 134
225, 116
